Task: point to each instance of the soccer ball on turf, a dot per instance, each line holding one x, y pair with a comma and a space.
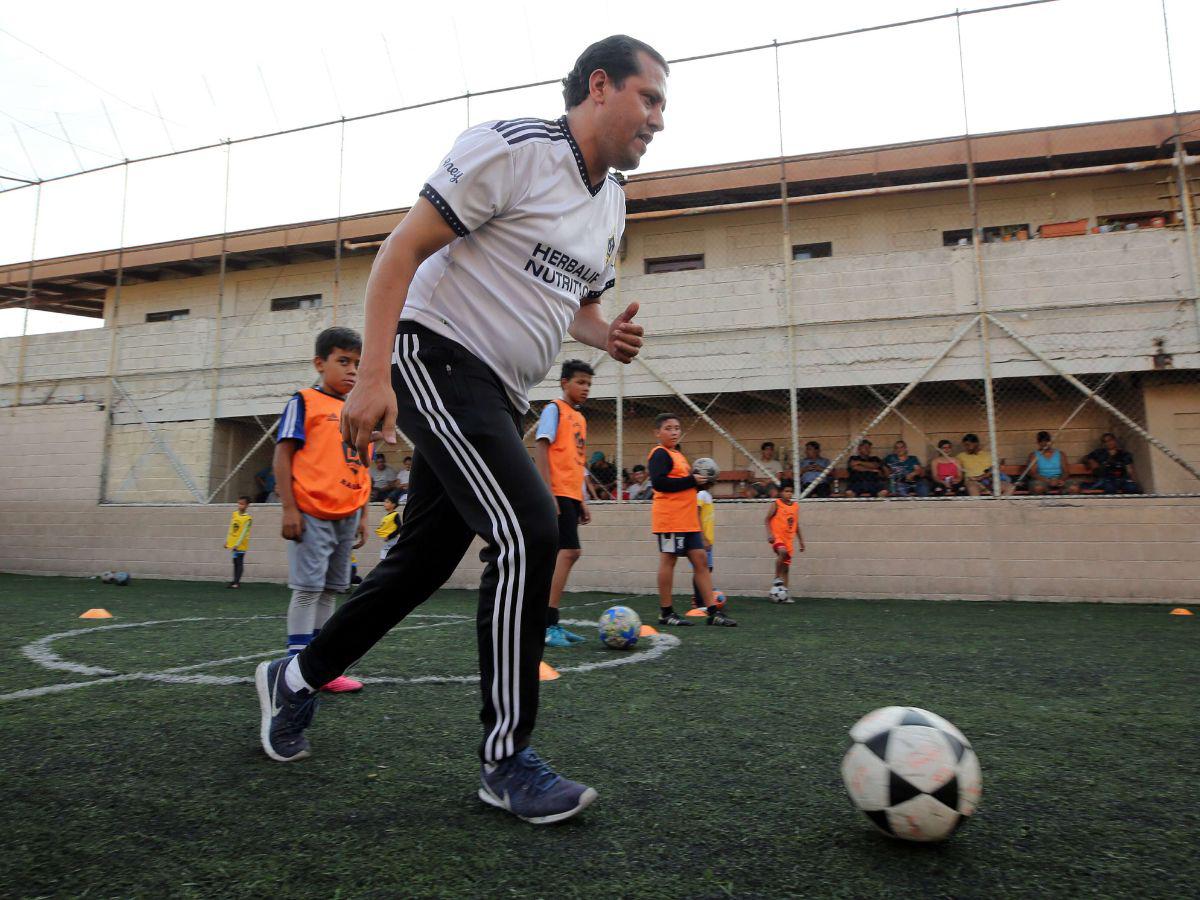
107, 577
912, 773
706, 468
779, 593
619, 627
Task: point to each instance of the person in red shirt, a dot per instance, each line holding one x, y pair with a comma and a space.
323, 487
675, 521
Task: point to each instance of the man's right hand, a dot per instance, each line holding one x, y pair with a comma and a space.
369, 415
701, 480
293, 525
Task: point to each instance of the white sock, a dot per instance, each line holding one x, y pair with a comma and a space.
295, 681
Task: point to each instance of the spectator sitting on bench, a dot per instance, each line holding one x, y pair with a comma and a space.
639, 487
866, 474
383, 478
977, 469
769, 463
605, 474
906, 475
947, 473
1111, 467
1047, 469
811, 467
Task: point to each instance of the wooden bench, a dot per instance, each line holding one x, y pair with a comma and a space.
1074, 470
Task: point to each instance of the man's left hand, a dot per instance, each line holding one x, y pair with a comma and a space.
360, 534
624, 337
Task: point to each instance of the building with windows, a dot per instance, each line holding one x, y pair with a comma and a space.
1084, 282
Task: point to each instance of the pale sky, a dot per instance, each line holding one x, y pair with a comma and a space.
135, 78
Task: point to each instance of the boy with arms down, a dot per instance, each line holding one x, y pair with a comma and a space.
675, 521
389, 525
511, 244
783, 528
324, 487
237, 541
560, 458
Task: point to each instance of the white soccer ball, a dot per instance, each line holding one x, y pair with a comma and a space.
779, 593
619, 627
912, 773
706, 468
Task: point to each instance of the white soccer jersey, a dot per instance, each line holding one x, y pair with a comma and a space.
535, 240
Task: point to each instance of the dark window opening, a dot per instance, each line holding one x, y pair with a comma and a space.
674, 264
170, 315
992, 234
819, 250
304, 301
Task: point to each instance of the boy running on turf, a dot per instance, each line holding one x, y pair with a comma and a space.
324, 488
675, 521
389, 525
237, 541
783, 528
560, 457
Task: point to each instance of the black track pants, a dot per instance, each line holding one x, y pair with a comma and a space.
471, 475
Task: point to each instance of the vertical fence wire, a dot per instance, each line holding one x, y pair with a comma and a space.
114, 314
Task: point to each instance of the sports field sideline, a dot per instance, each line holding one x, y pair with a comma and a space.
716, 759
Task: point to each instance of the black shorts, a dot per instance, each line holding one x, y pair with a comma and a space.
865, 487
569, 512
679, 542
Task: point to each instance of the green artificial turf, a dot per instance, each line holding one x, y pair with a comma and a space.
716, 763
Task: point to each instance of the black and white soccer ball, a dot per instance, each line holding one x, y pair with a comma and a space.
912, 773
706, 468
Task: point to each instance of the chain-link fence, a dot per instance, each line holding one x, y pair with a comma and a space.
829, 316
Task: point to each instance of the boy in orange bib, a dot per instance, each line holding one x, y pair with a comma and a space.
560, 454
783, 528
675, 521
323, 487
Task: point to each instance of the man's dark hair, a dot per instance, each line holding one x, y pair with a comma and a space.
1043, 435
245, 497
617, 55
408, 459
945, 441
639, 468
767, 444
787, 483
337, 337
573, 367
813, 444
665, 417
972, 438
865, 441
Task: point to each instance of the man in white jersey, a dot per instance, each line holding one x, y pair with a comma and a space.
510, 245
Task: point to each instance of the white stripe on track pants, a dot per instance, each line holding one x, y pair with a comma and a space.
471, 475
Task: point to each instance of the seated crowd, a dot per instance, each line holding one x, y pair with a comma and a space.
969, 472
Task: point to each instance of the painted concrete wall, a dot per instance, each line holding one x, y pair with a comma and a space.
1119, 550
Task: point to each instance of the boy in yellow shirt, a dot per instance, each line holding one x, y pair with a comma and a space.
389, 525
237, 541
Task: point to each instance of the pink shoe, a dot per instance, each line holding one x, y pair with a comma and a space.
343, 685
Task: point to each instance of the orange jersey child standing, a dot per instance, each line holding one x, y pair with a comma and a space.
783, 531
561, 455
323, 487
675, 521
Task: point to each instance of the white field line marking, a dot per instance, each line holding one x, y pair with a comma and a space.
39, 652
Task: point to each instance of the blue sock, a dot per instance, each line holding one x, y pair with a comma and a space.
297, 642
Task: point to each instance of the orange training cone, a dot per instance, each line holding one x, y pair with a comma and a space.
97, 614
647, 631
547, 672
1180, 611
696, 612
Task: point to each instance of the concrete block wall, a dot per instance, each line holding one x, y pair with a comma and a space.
1110, 550
51, 454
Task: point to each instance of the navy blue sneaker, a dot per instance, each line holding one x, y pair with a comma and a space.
285, 713
527, 787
